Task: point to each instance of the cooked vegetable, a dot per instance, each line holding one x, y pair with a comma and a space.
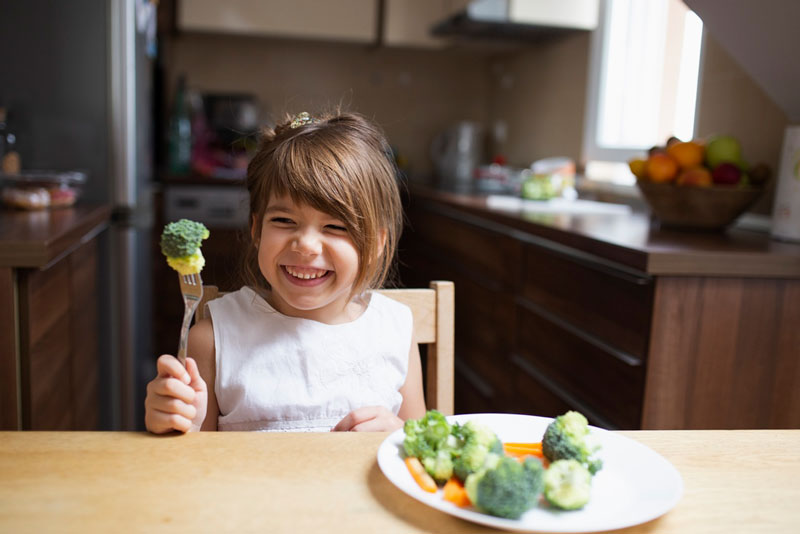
567, 484
455, 493
568, 437
502, 479
426, 435
504, 487
523, 449
180, 243
419, 474
478, 441
440, 465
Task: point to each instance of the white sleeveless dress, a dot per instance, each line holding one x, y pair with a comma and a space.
280, 373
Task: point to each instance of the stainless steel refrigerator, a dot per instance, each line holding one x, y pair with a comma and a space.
77, 79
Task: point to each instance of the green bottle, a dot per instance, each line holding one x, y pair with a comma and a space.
180, 132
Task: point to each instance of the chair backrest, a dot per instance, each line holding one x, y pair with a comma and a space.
434, 313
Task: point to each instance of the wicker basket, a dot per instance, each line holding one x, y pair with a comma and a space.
707, 208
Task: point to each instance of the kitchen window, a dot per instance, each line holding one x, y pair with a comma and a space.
643, 83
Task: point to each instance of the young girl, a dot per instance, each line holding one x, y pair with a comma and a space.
305, 346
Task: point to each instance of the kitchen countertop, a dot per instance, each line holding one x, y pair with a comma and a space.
734, 481
629, 240
37, 238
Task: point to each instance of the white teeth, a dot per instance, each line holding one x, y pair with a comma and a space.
305, 276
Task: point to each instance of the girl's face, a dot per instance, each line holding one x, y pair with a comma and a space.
309, 260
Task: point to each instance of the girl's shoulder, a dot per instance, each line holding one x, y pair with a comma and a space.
243, 299
387, 307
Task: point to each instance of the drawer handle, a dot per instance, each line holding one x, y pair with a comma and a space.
474, 379
625, 357
561, 393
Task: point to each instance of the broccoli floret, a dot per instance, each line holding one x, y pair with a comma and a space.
535, 471
567, 484
478, 441
439, 466
505, 487
188, 264
426, 435
182, 238
568, 437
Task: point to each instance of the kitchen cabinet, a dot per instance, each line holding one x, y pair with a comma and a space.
638, 328
49, 356
409, 22
333, 20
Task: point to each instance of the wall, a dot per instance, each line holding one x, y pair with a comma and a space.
541, 94
730, 101
412, 94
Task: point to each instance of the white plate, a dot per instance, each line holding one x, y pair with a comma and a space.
635, 485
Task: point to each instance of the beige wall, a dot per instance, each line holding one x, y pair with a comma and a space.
539, 91
731, 102
412, 94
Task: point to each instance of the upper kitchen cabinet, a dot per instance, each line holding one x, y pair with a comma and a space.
332, 20
409, 22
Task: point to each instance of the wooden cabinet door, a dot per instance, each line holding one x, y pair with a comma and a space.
336, 20
58, 343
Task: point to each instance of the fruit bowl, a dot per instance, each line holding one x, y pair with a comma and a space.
706, 208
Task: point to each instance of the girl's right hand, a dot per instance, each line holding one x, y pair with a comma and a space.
177, 398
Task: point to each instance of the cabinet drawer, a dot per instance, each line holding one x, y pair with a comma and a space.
598, 382
535, 398
483, 253
614, 308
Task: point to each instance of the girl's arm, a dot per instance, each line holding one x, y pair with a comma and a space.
378, 418
413, 406
201, 348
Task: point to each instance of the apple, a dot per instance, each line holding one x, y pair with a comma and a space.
726, 174
723, 149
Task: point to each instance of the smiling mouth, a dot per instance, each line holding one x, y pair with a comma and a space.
305, 273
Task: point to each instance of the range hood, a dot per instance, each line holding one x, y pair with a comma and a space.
519, 20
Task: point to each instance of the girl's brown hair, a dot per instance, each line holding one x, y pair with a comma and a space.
338, 164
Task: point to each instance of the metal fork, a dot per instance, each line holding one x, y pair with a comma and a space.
192, 291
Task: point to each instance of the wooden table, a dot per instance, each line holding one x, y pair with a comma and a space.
735, 481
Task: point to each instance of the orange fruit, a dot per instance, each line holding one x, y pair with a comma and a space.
688, 154
638, 167
661, 168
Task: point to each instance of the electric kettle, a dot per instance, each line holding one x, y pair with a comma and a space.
456, 153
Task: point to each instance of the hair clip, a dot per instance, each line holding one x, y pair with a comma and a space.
301, 119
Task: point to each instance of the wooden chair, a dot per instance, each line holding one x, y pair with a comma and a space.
433, 311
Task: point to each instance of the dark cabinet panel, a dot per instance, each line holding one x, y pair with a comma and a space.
608, 306
599, 381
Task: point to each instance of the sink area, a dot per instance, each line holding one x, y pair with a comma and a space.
555, 205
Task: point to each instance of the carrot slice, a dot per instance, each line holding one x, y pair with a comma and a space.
419, 474
455, 493
523, 449
514, 445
